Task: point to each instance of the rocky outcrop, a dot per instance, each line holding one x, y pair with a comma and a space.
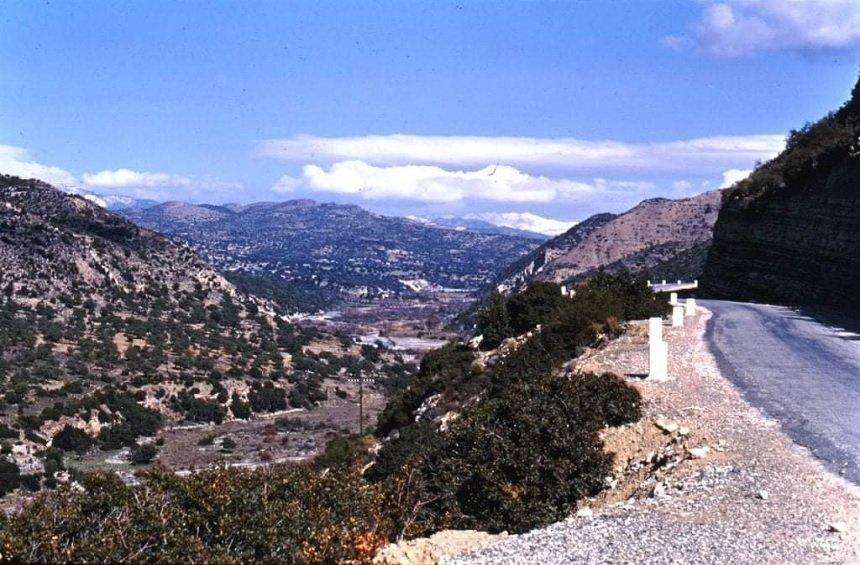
790, 233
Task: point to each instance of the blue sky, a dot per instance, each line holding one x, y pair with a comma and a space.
562, 109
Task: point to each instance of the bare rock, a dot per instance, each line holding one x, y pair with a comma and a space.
441, 544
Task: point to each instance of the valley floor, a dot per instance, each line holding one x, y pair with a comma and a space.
703, 478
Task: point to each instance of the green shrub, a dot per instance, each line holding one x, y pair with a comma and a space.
10, 476
141, 454
72, 439
290, 514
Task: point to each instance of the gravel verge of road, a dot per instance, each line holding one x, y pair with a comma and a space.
749, 495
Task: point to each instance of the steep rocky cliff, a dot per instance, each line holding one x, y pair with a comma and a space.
790, 233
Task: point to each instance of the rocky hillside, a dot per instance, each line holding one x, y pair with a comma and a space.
338, 249
660, 238
790, 233
110, 332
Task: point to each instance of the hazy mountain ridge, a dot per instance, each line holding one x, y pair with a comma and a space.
343, 250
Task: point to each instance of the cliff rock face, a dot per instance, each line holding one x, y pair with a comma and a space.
790, 233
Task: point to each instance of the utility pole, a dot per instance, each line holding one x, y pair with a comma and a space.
361, 381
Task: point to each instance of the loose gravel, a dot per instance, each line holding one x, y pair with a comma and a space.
753, 497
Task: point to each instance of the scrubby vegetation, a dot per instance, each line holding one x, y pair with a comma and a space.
507, 445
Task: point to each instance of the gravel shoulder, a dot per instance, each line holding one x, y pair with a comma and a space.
726, 485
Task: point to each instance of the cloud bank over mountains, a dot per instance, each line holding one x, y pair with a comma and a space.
157, 186
448, 169
569, 154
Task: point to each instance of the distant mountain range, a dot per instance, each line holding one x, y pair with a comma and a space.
660, 238
521, 224
338, 250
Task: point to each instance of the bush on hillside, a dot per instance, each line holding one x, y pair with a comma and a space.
517, 460
284, 513
141, 454
72, 439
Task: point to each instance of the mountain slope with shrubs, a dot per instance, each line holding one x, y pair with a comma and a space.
109, 332
501, 439
655, 237
333, 251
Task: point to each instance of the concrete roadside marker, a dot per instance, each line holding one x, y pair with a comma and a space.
690, 307
658, 351
673, 298
677, 316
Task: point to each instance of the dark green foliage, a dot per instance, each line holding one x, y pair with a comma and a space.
528, 449
535, 305
198, 409
494, 322
8, 433
289, 297
10, 476
267, 399
141, 454
240, 408
72, 439
282, 514
448, 367
228, 444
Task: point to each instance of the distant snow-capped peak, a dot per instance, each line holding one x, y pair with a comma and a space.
524, 221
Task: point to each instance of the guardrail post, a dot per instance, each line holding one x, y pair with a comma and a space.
658, 351
690, 307
673, 298
677, 316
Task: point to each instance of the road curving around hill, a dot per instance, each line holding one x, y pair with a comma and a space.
801, 372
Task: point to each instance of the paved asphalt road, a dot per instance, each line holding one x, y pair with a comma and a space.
799, 371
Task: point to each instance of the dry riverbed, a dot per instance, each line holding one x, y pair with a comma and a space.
703, 478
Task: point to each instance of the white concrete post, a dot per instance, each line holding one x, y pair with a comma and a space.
648, 283
673, 298
679, 282
690, 307
564, 290
658, 351
677, 316
664, 281
696, 283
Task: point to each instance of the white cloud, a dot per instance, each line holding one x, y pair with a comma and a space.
15, 161
524, 221
710, 153
735, 28
732, 176
158, 186
427, 183
125, 178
